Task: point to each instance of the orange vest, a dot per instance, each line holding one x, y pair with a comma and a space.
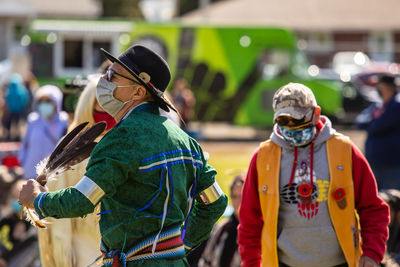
341, 208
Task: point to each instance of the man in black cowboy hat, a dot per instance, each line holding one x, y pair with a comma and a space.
158, 195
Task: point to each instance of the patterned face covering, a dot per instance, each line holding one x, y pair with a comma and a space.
297, 137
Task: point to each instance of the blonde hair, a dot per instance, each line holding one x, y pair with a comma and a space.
84, 108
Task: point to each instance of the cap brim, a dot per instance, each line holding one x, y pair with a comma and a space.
152, 90
297, 113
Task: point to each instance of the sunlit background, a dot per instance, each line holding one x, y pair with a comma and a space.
234, 54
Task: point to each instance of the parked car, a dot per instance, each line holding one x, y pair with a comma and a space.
348, 63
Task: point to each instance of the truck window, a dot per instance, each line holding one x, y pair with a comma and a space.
274, 63
300, 66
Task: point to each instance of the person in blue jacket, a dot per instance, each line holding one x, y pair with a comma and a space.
45, 127
17, 98
382, 123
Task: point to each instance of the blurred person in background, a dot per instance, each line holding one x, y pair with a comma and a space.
32, 84
75, 242
6, 182
382, 123
392, 255
301, 192
172, 115
222, 248
16, 102
184, 101
18, 238
8, 176
44, 128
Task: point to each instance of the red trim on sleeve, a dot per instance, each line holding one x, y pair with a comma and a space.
373, 211
319, 125
250, 217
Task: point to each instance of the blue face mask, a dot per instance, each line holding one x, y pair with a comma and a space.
46, 109
297, 137
16, 207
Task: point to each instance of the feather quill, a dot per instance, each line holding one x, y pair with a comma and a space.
66, 140
75, 147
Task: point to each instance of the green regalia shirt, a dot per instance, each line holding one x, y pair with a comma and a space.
147, 167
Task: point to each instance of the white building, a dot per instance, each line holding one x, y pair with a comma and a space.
323, 27
73, 36
14, 18
72, 47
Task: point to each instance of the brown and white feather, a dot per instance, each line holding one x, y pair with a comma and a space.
75, 147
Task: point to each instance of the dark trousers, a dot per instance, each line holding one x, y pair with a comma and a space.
387, 177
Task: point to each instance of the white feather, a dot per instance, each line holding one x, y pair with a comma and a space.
41, 166
32, 217
50, 176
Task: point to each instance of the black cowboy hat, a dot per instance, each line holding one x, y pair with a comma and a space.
148, 68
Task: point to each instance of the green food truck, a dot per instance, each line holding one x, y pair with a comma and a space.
234, 71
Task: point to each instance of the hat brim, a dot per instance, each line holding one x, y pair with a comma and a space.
297, 113
156, 93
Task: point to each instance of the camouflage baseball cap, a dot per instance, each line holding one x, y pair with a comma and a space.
294, 100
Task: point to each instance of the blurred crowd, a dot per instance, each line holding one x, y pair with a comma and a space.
33, 117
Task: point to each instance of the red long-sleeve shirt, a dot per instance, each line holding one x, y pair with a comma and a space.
373, 212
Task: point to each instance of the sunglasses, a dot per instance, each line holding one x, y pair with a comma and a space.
110, 74
293, 124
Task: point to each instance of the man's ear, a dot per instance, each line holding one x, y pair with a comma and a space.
139, 93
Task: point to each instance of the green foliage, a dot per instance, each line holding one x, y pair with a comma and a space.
37, 37
59, 82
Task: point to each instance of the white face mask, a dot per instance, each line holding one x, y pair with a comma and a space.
106, 99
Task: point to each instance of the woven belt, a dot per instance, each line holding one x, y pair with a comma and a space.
169, 245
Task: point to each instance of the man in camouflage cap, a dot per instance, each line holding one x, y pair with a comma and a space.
293, 100
305, 182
